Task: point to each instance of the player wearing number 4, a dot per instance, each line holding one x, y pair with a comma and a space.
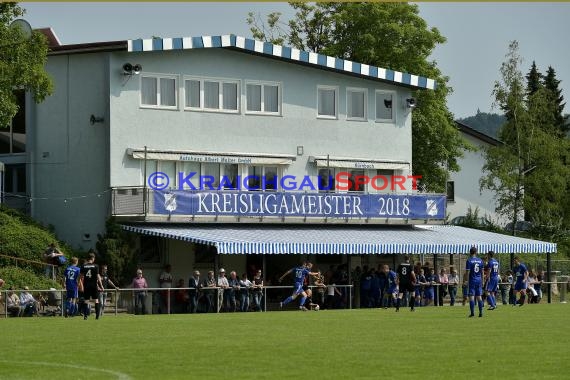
91, 284
473, 274
71, 286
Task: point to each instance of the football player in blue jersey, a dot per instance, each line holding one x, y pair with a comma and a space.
71, 286
492, 275
521, 278
300, 273
474, 275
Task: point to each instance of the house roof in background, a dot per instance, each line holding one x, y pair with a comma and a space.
475, 133
285, 53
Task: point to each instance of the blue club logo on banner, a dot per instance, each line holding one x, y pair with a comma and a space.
296, 204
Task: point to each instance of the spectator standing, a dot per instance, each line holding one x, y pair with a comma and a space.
244, 286
165, 281
453, 282
107, 284
51, 258
538, 284
232, 292
257, 290
443, 281
223, 285
181, 298
139, 285
194, 285
511, 281
210, 283
332, 294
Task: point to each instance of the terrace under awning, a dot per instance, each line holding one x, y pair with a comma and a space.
342, 239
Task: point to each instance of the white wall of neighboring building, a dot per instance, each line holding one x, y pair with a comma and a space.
466, 182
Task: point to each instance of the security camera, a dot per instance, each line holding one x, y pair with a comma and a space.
137, 68
411, 103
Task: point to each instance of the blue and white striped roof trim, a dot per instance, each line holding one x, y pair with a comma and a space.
343, 240
282, 52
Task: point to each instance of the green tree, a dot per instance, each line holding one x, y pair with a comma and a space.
552, 84
116, 249
22, 63
391, 35
533, 79
526, 172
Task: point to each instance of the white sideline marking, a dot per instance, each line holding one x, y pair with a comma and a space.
119, 375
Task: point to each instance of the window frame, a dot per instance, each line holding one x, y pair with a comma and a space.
450, 189
221, 82
393, 108
158, 77
279, 86
354, 90
336, 93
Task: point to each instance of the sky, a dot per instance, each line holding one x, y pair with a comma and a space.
478, 34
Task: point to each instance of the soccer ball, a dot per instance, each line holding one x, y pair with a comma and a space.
317, 308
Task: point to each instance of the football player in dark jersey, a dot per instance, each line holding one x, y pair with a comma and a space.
406, 280
90, 282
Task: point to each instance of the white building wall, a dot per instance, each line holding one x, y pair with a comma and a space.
69, 161
135, 127
467, 191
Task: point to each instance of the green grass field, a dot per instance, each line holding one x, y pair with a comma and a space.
432, 343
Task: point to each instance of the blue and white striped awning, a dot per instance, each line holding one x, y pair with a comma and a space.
343, 240
282, 52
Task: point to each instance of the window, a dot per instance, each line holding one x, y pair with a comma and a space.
382, 181
326, 180
356, 101
450, 191
262, 178
159, 91
211, 95
385, 105
13, 138
263, 98
15, 179
327, 102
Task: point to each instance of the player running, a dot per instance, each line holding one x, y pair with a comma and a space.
474, 274
492, 275
406, 279
71, 285
299, 272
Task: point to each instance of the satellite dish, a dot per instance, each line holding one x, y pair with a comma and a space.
24, 27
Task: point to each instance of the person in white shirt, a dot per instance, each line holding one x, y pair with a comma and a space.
28, 303
165, 281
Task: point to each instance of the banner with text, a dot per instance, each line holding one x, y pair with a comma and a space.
294, 204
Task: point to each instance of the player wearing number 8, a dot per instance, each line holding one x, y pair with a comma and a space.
406, 279
474, 274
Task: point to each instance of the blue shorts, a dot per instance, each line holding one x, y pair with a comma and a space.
492, 285
465, 292
428, 294
520, 286
475, 290
393, 290
72, 293
298, 289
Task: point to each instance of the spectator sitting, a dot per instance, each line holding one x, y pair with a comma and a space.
28, 303
13, 304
